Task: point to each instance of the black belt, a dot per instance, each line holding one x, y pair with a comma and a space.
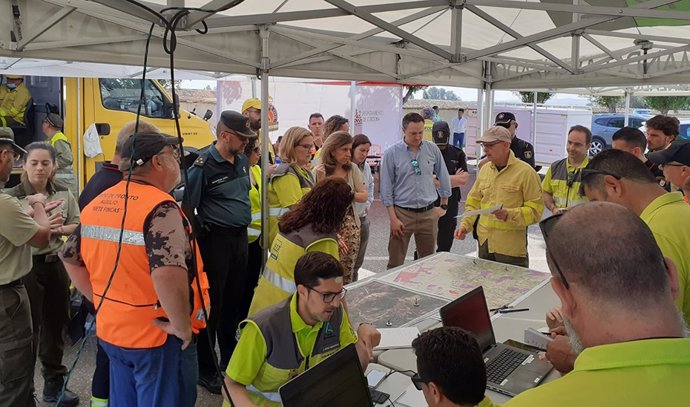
45, 258
226, 230
424, 209
11, 284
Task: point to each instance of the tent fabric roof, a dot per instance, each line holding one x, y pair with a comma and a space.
585, 46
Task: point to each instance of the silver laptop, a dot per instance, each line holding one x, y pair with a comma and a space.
509, 370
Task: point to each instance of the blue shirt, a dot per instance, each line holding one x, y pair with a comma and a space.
219, 190
401, 186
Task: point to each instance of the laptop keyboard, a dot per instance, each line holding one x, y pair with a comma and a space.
502, 365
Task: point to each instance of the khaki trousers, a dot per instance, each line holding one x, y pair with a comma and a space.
423, 225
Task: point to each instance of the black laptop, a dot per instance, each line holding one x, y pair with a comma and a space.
509, 370
337, 381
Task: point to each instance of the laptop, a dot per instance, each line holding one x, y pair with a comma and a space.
337, 381
509, 370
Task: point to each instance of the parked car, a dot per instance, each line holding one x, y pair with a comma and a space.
604, 125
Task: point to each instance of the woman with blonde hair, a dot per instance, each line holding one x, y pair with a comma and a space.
291, 179
48, 284
335, 162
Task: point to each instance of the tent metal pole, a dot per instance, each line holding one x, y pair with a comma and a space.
480, 123
353, 106
534, 119
627, 108
265, 139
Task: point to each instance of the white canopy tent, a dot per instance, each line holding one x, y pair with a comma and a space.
484, 44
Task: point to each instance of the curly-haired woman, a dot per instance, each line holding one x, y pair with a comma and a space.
335, 161
310, 226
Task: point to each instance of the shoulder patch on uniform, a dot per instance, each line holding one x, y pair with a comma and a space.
200, 161
528, 154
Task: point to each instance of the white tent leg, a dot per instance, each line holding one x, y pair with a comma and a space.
353, 106
265, 139
627, 109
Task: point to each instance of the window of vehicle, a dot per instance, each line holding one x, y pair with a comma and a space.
123, 94
616, 122
601, 121
635, 122
684, 132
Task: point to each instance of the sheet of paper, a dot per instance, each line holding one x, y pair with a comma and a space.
485, 211
411, 397
392, 338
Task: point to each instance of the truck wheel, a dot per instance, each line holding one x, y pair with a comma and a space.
598, 145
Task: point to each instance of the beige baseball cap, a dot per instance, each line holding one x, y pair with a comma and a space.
494, 134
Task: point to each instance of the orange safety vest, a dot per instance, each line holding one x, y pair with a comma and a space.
131, 304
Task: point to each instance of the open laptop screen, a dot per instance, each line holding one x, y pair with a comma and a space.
470, 313
338, 381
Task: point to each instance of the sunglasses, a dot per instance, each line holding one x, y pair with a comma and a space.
417, 381
546, 227
415, 166
588, 172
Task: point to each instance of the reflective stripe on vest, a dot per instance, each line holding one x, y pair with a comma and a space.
112, 234
277, 211
278, 281
273, 396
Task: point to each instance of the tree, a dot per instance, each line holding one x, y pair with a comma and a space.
440, 94
410, 90
665, 103
609, 102
528, 97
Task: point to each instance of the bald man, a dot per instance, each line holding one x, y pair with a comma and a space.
617, 306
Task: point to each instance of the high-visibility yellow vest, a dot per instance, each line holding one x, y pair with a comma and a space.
254, 228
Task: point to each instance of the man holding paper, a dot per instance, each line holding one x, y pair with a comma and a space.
513, 189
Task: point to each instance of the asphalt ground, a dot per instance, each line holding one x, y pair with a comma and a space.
375, 262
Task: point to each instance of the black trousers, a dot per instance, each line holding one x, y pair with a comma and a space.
48, 287
446, 226
224, 252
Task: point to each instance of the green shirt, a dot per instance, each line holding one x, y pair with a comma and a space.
69, 208
16, 229
668, 217
250, 352
652, 372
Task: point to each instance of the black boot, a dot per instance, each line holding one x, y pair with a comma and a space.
52, 392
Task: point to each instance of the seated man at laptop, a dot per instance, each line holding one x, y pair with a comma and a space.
618, 310
288, 338
451, 370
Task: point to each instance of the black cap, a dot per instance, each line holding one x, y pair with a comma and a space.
504, 118
55, 120
678, 151
7, 137
141, 147
440, 132
237, 122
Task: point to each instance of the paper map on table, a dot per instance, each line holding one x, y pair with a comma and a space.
387, 306
451, 276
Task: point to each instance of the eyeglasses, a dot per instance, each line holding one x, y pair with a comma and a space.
415, 166
588, 172
671, 165
329, 297
418, 381
305, 146
546, 227
15, 155
175, 154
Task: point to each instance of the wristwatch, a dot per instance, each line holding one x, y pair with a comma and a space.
444, 207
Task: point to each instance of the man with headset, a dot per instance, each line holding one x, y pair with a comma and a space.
137, 267
562, 182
